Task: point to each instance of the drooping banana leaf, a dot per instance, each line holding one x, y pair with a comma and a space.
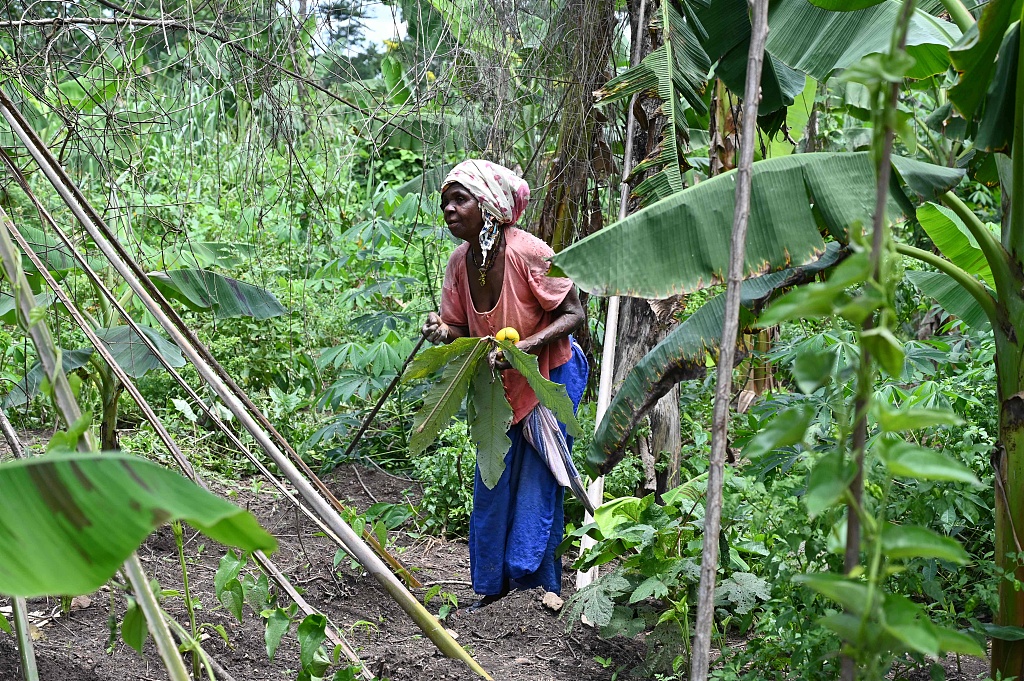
205, 290
678, 70
681, 244
132, 353
975, 55
953, 297
28, 387
681, 353
68, 521
995, 129
951, 237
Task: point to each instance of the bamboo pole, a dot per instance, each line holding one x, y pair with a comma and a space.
19, 609
197, 354
64, 400
261, 558
730, 329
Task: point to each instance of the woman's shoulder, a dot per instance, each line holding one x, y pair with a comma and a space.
458, 255
526, 245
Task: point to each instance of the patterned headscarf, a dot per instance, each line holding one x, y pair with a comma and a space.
499, 191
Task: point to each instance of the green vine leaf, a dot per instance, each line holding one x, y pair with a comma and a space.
489, 419
551, 395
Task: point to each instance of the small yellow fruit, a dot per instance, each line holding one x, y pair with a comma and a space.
509, 334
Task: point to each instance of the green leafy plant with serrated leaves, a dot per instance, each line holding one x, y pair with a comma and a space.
653, 548
466, 372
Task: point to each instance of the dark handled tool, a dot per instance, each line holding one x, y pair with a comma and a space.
380, 402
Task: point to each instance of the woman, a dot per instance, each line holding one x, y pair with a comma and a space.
495, 280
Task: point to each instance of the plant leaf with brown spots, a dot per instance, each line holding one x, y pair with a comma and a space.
69, 520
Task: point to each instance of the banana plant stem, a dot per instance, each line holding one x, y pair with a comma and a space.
26, 650
959, 14
22, 629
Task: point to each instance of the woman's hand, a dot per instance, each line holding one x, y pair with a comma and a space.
436, 331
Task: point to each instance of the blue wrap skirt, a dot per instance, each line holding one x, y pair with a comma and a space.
515, 528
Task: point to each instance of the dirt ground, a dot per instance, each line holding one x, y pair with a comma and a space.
517, 638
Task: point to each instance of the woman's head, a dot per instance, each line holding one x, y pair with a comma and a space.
498, 191
461, 212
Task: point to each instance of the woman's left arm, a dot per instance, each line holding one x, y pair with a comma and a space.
567, 318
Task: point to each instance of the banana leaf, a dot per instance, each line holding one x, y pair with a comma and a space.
678, 71
681, 244
132, 353
681, 355
952, 238
808, 39
68, 521
203, 290
975, 55
951, 296
28, 387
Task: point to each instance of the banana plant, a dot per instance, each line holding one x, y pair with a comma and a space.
978, 274
199, 290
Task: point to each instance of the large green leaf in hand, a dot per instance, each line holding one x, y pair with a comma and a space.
432, 359
68, 521
489, 418
552, 395
445, 397
205, 290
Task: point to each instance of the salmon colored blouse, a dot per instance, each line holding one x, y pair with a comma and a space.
528, 298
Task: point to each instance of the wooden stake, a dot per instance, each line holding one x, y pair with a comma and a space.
730, 329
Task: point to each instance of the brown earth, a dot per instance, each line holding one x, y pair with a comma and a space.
517, 638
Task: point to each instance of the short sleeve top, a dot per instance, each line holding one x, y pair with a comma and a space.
527, 301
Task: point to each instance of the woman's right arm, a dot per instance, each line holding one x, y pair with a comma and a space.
436, 331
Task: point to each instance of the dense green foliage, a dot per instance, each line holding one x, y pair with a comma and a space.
282, 192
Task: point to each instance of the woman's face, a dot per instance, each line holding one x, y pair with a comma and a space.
461, 212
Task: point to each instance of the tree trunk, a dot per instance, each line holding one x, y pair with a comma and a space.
581, 150
639, 331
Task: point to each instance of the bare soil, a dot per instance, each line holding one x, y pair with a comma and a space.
517, 638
